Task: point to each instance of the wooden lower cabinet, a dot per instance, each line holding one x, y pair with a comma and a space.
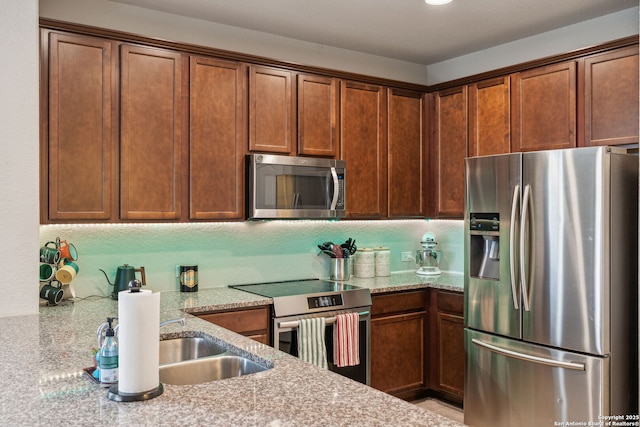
417, 344
253, 323
398, 334
447, 357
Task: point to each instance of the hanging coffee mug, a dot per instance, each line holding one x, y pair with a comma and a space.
68, 251
67, 272
49, 254
47, 272
52, 294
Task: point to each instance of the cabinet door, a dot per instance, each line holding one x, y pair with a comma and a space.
79, 141
544, 108
407, 167
447, 345
253, 323
397, 352
151, 98
216, 139
271, 110
449, 148
490, 117
611, 98
317, 116
364, 148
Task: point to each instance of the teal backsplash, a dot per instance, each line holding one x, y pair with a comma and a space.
239, 252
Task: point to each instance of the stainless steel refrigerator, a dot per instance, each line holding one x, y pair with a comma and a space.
551, 259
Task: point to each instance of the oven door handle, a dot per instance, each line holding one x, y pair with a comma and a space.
327, 320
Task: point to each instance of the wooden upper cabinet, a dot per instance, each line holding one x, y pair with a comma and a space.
448, 151
544, 108
77, 148
364, 148
151, 133
271, 110
216, 139
317, 116
490, 117
406, 154
611, 98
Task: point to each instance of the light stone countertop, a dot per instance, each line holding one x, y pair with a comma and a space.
42, 357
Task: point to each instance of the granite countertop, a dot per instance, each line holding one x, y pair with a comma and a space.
42, 357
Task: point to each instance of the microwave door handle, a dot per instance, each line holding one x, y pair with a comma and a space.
336, 189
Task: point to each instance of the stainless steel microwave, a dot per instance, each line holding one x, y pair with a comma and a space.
286, 187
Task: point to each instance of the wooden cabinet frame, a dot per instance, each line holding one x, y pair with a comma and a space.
272, 119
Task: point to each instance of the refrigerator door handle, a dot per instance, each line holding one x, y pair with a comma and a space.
529, 358
526, 200
512, 246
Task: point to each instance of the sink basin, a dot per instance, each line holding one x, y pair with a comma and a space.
198, 371
177, 350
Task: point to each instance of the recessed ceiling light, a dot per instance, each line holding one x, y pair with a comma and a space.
437, 2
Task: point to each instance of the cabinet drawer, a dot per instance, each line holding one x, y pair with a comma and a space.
452, 302
242, 321
399, 302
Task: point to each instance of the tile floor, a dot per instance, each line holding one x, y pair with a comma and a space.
442, 408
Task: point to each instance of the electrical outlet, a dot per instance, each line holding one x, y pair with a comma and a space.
407, 256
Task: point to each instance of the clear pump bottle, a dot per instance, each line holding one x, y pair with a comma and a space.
108, 362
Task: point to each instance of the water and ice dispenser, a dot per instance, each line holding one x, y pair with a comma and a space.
484, 250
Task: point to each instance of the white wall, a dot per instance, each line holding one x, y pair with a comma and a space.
19, 156
146, 22
573, 37
137, 20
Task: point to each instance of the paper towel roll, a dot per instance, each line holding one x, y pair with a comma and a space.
138, 339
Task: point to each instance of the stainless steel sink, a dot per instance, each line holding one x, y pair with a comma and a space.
177, 350
203, 370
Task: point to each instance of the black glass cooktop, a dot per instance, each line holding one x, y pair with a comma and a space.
294, 287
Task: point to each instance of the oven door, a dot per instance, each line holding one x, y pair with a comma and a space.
285, 338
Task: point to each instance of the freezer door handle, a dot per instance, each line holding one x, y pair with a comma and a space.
526, 201
529, 358
512, 246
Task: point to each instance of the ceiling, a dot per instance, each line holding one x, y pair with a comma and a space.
407, 30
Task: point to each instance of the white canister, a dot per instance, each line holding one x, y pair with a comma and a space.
382, 261
364, 263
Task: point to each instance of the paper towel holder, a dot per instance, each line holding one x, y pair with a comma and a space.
120, 396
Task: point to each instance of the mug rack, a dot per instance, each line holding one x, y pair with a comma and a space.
52, 291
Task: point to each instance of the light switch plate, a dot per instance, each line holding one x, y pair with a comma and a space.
407, 257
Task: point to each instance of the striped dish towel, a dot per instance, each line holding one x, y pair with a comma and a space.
311, 346
345, 340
